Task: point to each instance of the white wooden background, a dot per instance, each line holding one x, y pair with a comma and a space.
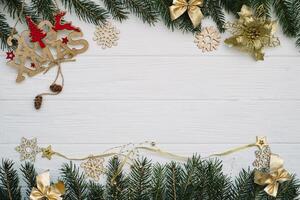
156, 85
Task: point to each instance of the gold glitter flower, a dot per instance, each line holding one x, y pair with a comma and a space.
252, 33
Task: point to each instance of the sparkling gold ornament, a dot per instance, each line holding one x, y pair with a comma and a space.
262, 161
272, 179
47, 152
106, 35
208, 39
192, 7
28, 149
252, 33
93, 167
45, 191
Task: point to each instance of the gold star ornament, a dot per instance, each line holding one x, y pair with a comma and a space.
48, 152
261, 142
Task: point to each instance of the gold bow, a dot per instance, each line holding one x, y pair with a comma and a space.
192, 7
45, 191
277, 175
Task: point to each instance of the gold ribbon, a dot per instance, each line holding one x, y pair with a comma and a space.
192, 7
46, 191
277, 175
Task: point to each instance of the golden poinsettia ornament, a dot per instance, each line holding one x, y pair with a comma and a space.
252, 33
45, 191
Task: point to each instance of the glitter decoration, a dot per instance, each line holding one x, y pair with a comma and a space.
28, 149
262, 161
106, 35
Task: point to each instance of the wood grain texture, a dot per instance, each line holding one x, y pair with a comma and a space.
156, 85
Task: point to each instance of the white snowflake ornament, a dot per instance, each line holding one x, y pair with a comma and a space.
106, 35
28, 149
208, 39
93, 167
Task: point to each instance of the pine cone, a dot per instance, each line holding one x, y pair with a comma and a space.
38, 102
56, 88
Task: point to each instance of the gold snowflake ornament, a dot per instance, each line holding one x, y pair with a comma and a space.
106, 35
28, 149
208, 39
93, 167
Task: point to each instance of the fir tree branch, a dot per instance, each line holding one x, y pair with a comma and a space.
234, 6
17, 8
29, 175
298, 40
5, 31
142, 9
87, 10
115, 189
9, 181
95, 191
158, 182
289, 189
76, 186
116, 9
216, 13
287, 18
189, 175
173, 175
139, 180
45, 8
162, 7
265, 4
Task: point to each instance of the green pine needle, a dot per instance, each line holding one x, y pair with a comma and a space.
87, 11
287, 17
9, 181
174, 175
142, 9
115, 188
44, 8
116, 9
5, 31
139, 180
95, 191
76, 186
158, 182
216, 13
29, 175
17, 8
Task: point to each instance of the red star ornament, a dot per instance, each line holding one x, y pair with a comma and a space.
10, 55
65, 40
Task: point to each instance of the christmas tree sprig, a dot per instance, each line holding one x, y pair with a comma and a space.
195, 179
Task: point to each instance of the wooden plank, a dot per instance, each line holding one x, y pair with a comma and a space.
164, 78
202, 122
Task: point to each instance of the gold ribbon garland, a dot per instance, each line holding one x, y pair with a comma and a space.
192, 7
277, 175
46, 191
